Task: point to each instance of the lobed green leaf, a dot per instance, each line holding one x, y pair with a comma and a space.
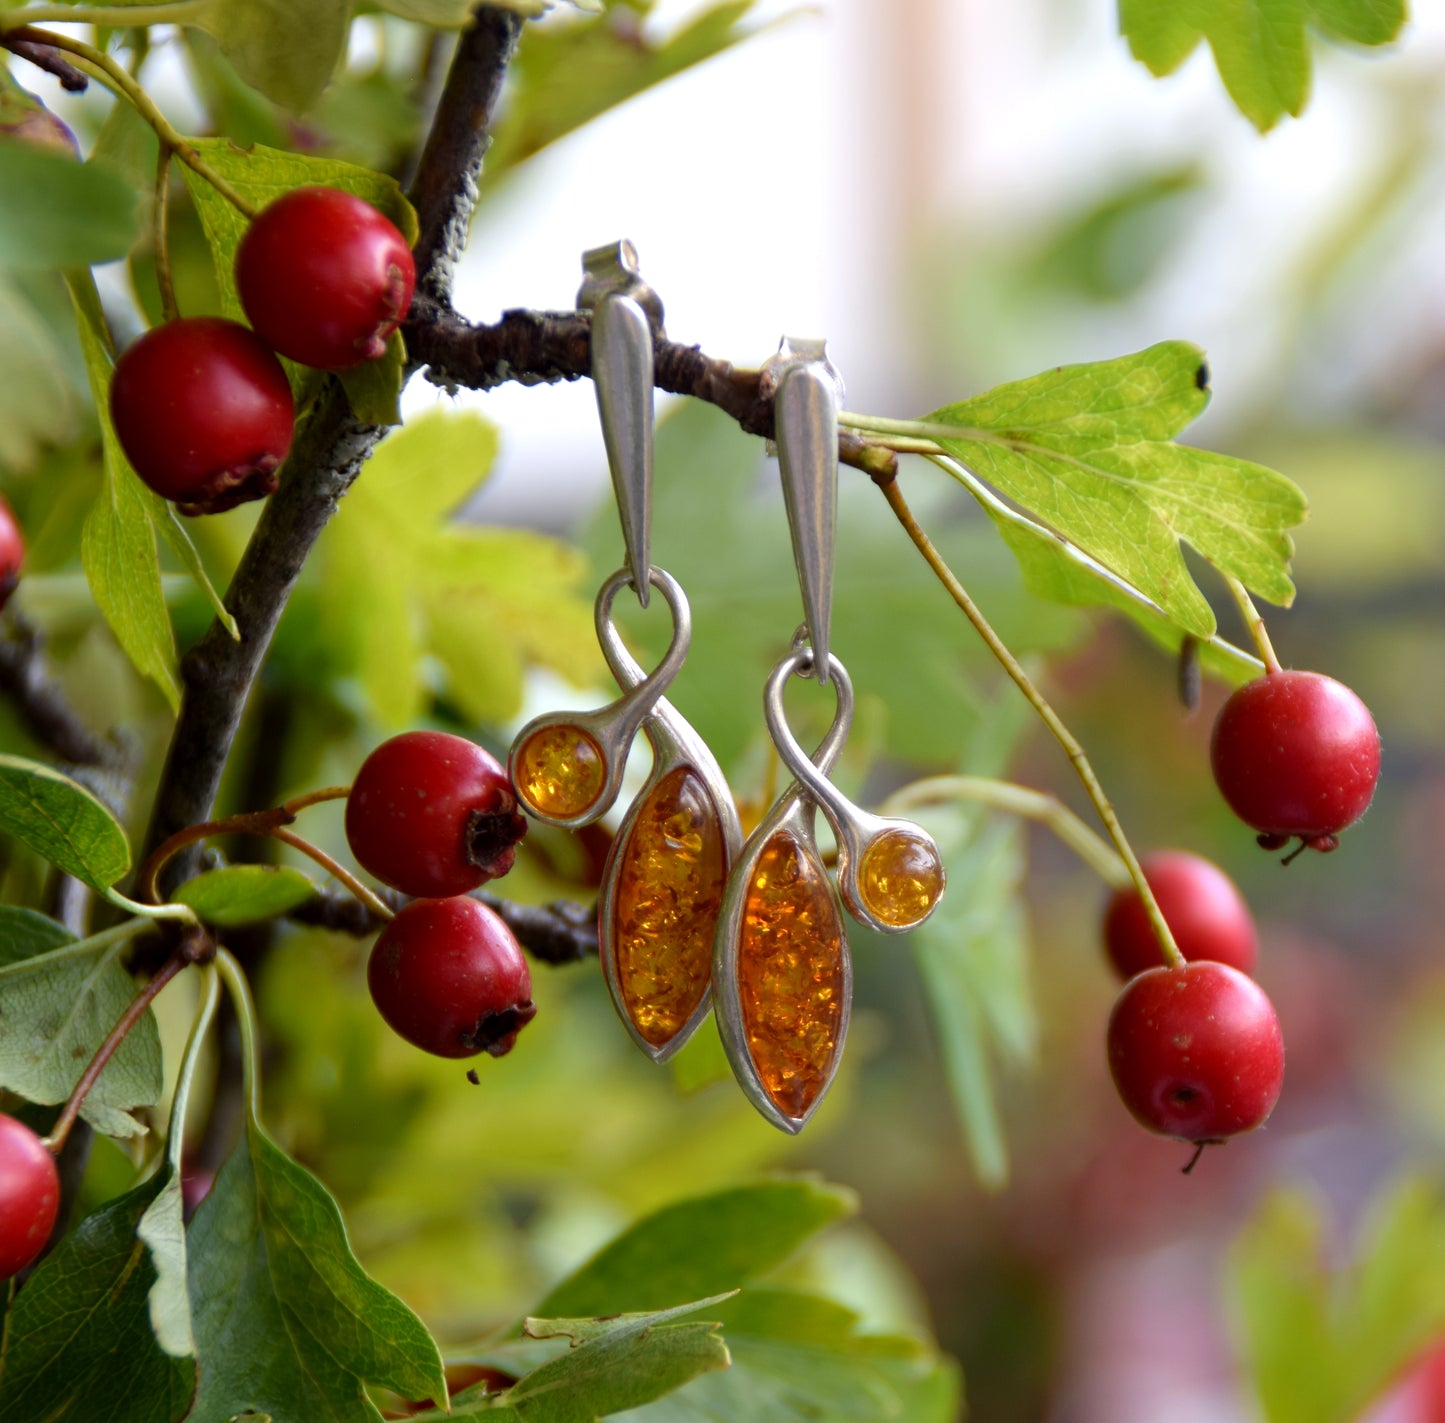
286, 1321
1261, 47
60, 1004
1089, 451
78, 1338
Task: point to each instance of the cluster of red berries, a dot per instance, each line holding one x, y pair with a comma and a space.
435, 816
1196, 1052
201, 405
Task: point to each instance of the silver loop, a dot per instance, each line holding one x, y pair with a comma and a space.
811, 772
623, 665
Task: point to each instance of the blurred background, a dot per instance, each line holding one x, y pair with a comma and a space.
956, 194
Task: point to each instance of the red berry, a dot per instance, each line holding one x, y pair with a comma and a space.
433, 815
12, 552
1196, 1052
1296, 753
29, 1196
204, 413
1205, 912
449, 977
324, 277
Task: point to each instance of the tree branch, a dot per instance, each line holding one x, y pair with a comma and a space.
42, 705
542, 347
218, 672
557, 933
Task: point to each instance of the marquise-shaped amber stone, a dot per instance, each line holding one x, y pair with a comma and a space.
665, 907
559, 771
790, 974
901, 878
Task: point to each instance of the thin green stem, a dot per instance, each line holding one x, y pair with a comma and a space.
200, 1025
160, 219
114, 75
916, 429
182, 913
107, 1050
1254, 622
1066, 739
119, 17
1019, 800
234, 977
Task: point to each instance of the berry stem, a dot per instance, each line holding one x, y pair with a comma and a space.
1066, 739
115, 77
1020, 800
161, 221
200, 1026
107, 1049
271, 823
1254, 622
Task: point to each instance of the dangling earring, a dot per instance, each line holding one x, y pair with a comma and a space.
782, 971
663, 880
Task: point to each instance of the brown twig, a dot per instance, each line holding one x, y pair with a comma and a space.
44, 56
542, 347
559, 933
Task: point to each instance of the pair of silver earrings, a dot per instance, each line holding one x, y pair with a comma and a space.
691, 916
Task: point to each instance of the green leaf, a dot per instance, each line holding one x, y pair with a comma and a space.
1089, 450
617, 1363
700, 1247
74, 214
118, 544
60, 1005
79, 1341
1360, 21
399, 581
1261, 47
245, 894
24, 933
37, 407
176, 536
287, 51
62, 821
1320, 1344
798, 1358
286, 1321
972, 958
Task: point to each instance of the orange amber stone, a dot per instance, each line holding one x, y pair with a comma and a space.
559, 772
790, 974
900, 879
665, 906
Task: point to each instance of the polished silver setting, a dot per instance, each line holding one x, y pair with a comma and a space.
623, 310
807, 394
614, 726
794, 812
855, 829
674, 744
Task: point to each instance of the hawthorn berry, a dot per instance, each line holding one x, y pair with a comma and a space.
12, 552
1204, 910
449, 977
1196, 1052
1296, 754
433, 815
203, 412
29, 1196
324, 277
